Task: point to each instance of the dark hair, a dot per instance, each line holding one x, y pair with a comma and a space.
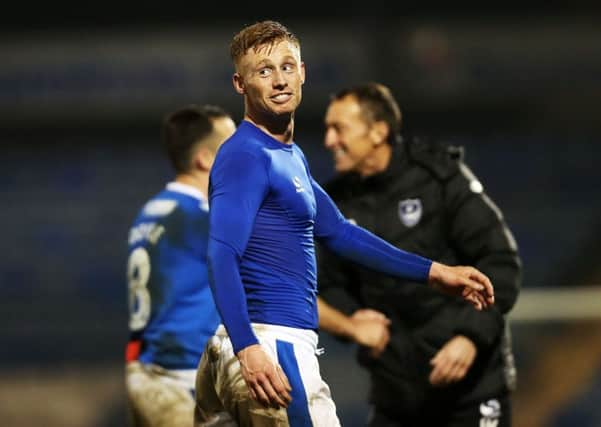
258, 34
377, 104
186, 127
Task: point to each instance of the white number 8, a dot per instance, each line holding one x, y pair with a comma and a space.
138, 273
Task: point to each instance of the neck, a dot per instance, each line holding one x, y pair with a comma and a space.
377, 161
279, 127
198, 180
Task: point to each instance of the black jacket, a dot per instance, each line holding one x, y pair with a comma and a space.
427, 202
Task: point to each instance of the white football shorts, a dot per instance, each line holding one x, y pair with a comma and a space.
220, 386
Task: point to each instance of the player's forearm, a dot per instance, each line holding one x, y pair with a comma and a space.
228, 292
361, 246
365, 248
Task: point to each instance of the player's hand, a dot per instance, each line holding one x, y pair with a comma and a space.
265, 379
468, 282
452, 361
371, 329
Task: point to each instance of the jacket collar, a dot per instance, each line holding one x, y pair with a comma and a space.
398, 161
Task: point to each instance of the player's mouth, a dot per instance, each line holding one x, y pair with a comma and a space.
281, 98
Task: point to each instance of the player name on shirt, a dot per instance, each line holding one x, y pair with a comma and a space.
150, 231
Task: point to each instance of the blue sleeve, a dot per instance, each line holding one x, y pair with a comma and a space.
238, 186
361, 246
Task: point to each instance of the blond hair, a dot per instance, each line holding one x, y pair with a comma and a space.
259, 34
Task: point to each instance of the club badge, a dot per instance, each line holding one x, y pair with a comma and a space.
410, 211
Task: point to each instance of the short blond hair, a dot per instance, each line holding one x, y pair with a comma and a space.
259, 34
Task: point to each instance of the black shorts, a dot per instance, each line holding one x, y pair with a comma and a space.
493, 412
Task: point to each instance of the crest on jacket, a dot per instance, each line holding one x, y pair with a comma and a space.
410, 211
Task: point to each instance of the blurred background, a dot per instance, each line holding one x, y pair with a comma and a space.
82, 93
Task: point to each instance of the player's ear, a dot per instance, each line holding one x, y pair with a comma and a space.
238, 83
204, 158
378, 132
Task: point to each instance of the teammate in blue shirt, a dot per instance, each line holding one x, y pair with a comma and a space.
171, 309
266, 210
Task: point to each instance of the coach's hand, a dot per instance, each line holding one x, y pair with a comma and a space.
265, 379
468, 282
452, 361
371, 329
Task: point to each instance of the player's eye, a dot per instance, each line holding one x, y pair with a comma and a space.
264, 72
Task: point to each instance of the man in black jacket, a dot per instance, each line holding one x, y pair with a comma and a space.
446, 364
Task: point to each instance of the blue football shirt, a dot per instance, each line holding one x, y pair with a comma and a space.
172, 311
266, 210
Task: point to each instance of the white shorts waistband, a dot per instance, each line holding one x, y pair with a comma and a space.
295, 335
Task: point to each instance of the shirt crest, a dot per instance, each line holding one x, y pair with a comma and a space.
410, 212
